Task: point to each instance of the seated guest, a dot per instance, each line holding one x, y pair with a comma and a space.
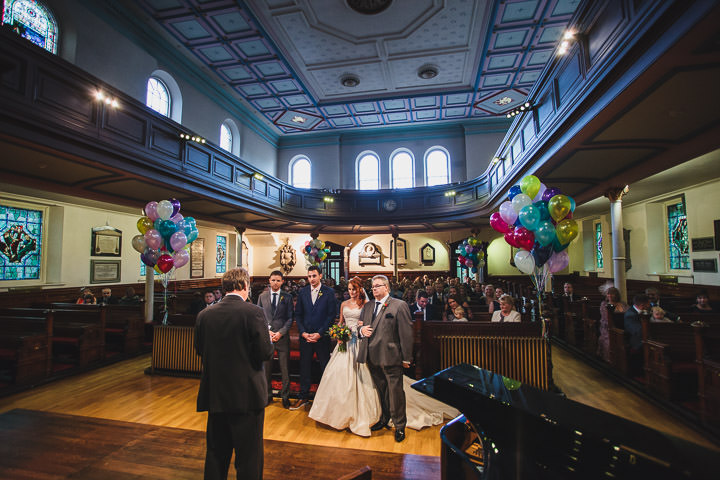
430, 312
86, 297
568, 291
453, 302
612, 301
633, 330
459, 315
654, 297
199, 304
489, 299
702, 304
217, 294
499, 292
507, 312
107, 298
658, 315
130, 298
433, 297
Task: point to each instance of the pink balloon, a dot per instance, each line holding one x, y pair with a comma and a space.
499, 224
508, 213
180, 258
540, 193
151, 211
558, 261
178, 240
177, 219
153, 239
524, 238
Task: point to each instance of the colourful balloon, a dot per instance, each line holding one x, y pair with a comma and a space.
559, 207
153, 239
176, 206
550, 192
180, 258
524, 261
178, 219
165, 263
151, 210
193, 235
541, 254
138, 243
510, 238
521, 200
508, 213
144, 224
529, 217
566, 231
498, 224
572, 204
150, 257
542, 207
165, 209
530, 186
178, 240
558, 261
167, 228
524, 238
545, 233
514, 190
538, 197
557, 246
157, 269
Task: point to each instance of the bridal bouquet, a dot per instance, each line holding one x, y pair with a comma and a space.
342, 334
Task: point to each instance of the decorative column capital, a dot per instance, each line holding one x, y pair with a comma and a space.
240, 229
314, 235
615, 194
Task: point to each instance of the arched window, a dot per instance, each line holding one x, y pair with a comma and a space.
32, 20
368, 171
230, 137
437, 166
402, 169
158, 96
300, 172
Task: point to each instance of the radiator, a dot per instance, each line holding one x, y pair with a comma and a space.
521, 358
173, 349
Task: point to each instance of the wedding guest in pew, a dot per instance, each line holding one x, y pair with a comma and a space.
702, 304
507, 312
86, 297
107, 297
217, 294
452, 303
130, 297
568, 291
489, 299
633, 329
499, 292
659, 316
200, 303
430, 312
612, 302
459, 314
654, 296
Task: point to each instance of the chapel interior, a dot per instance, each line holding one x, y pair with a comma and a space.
390, 131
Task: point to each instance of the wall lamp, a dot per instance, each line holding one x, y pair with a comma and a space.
567, 40
107, 100
187, 136
526, 107
451, 193
497, 160
328, 199
258, 176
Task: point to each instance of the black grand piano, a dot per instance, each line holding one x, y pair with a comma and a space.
513, 431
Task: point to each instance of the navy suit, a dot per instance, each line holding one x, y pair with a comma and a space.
314, 318
633, 331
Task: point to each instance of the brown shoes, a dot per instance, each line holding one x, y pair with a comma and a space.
300, 403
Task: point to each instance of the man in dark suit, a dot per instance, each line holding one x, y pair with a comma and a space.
429, 312
386, 346
278, 307
315, 311
232, 339
633, 329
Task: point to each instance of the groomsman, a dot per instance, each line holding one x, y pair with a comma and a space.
315, 311
278, 307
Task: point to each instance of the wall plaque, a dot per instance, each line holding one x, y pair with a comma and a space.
197, 258
705, 265
703, 244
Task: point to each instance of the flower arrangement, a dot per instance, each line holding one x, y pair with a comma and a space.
342, 334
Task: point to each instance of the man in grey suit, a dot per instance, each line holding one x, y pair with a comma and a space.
232, 338
386, 346
278, 308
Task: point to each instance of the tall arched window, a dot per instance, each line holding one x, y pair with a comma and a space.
158, 96
32, 20
402, 169
300, 172
230, 137
437, 166
368, 171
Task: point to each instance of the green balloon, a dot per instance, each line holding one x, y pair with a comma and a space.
530, 185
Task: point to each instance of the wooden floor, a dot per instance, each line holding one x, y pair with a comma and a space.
122, 392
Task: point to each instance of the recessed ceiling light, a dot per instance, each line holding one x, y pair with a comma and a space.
369, 7
426, 72
349, 81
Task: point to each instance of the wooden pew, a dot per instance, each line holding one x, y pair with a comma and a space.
669, 358
618, 344
25, 346
707, 356
79, 332
575, 312
124, 327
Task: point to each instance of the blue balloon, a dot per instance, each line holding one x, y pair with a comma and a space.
193, 235
473, 269
157, 223
572, 204
545, 233
541, 254
167, 228
557, 246
542, 207
529, 216
514, 190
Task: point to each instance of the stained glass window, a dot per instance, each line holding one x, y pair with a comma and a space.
678, 245
221, 255
142, 269
20, 243
158, 96
599, 260
33, 21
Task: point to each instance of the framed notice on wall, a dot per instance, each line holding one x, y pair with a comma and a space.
104, 271
401, 251
106, 242
197, 258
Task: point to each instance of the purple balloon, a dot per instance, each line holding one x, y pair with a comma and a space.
550, 192
178, 240
180, 258
178, 219
153, 239
150, 257
151, 211
176, 206
558, 261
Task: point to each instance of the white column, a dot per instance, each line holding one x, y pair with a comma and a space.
618, 243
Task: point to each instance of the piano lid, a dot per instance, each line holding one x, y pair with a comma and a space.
531, 433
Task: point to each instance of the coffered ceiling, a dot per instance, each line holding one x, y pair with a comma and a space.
313, 65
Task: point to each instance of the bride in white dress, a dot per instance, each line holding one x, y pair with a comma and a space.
346, 396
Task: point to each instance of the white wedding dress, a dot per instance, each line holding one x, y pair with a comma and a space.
346, 396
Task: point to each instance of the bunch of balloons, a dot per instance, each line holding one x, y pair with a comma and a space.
315, 251
165, 237
538, 221
471, 255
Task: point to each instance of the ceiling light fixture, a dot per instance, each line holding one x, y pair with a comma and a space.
426, 72
349, 81
368, 7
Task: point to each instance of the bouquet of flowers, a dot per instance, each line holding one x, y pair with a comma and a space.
342, 334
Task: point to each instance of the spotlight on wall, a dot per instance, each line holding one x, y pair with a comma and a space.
186, 136
451, 193
497, 160
100, 96
567, 40
328, 199
525, 107
258, 176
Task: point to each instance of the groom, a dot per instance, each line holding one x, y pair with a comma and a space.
386, 347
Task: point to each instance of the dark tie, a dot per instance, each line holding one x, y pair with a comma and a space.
274, 302
377, 307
